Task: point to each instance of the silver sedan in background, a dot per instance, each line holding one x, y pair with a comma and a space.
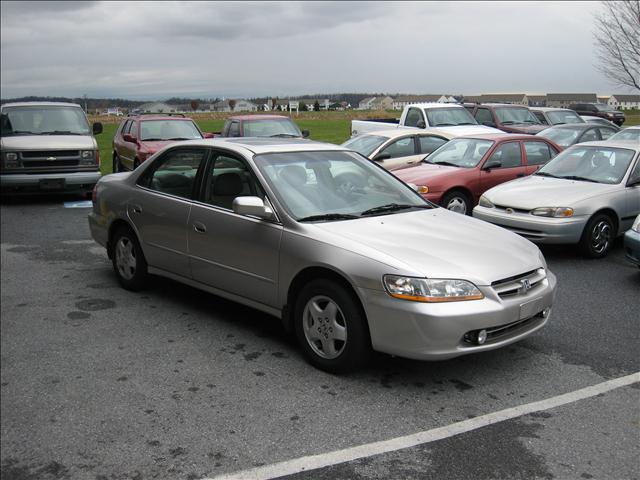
588, 195
280, 226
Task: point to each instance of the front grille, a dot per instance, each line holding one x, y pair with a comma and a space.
50, 163
502, 331
515, 210
516, 285
50, 153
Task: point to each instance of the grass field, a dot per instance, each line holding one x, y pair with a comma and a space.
331, 127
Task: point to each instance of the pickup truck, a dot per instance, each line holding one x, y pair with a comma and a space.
450, 118
261, 126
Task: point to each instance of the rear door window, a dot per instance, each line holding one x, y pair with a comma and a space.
175, 172
538, 153
430, 143
508, 154
402, 147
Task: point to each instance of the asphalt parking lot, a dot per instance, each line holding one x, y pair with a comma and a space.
172, 383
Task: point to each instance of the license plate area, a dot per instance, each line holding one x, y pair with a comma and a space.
52, 184
530, 308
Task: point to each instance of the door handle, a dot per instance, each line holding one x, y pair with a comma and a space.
199, 227
136, 208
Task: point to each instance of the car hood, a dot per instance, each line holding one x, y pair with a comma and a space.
440, 244
49, 142
459, 130
156, 145
526, 128
536, 191
427, 173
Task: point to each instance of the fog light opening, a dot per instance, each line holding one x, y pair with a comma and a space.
545, 312
481, 337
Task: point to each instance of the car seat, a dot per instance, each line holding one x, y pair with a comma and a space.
225, 188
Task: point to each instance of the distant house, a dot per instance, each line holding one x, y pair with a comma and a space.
402, 101
240, 106
157, 107
563, 100
311, 102
603, 99
382, 103
624, 102
537, 100
510, 98
366, 103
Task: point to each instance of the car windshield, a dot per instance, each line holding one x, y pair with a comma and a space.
461, 152
562, 136
43, 120
365, 144
515, 115
444, 117
558, 117
590, 164
334, 185
603, 107
168, 130
272, 127
627, 134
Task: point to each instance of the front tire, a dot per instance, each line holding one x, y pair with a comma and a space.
331, 327
598, 236
128, 260
457, 201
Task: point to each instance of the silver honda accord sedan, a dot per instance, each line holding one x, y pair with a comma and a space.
349, 257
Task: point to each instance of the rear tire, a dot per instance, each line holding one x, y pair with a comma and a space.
117, 166
128, 260
598, 236
331, 327
457, 201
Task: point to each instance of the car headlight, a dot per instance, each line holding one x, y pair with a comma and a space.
86, 154
87, 157
430, 290
636, 225
557, 212
10, 160
485, 202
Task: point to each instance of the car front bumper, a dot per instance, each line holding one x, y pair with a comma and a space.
535, 229
437, 331
48, 182
632, 246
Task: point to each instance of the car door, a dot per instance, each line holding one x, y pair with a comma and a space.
120, 145
235, 253
402, 153
537, 153
131, 148
509, 156
632, 193
161, 205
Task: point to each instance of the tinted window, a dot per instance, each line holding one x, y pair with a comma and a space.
134, 129
234, 129
414, 115
508, 154
229, 178
538, 153
590, 135
175, 172
483, 115
400, 148
540, 116
430, 143
127, 126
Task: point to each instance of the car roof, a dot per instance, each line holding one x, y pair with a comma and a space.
41, 104
550, 109
402, 132
499, 137
507, 105
159, 117
265, 144
429, 105
577, 126
254, 117
628, 144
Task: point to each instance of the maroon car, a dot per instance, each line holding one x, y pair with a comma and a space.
261, 126
506, 117
455, 175
139, 137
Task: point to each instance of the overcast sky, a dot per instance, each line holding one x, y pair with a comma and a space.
156, 50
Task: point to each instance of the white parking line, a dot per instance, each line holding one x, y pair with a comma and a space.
313, 462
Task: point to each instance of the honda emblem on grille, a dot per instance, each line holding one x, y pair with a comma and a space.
51, 159
525, 285
509, 210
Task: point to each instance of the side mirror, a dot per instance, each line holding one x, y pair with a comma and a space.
381, 157
209, 135
305, 133
253, 206
492, 164
421, 124
97, 128
127, 137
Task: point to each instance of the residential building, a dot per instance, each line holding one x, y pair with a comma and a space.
563, 100
402, 101
157, 107
537, 100
510, 98
624, 102
240, 106
366, 103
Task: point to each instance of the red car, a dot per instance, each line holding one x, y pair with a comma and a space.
455, 175
139, 137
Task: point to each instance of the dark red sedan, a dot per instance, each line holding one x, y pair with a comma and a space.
139, 137
455, 175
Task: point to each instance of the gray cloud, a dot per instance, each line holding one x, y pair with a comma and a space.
158, 49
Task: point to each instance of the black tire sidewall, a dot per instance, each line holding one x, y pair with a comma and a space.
358, 345
457, 193
585, 241
138, 281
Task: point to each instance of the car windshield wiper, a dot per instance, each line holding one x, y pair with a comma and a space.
467, 123
391, 207
20, 132
328, 216
508, 122
180, 138
576, 177
62, 132
449, 164
444, 125
545, 174
153, 139
284, 135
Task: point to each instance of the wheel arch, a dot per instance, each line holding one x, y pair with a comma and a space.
113, 228
611, 213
